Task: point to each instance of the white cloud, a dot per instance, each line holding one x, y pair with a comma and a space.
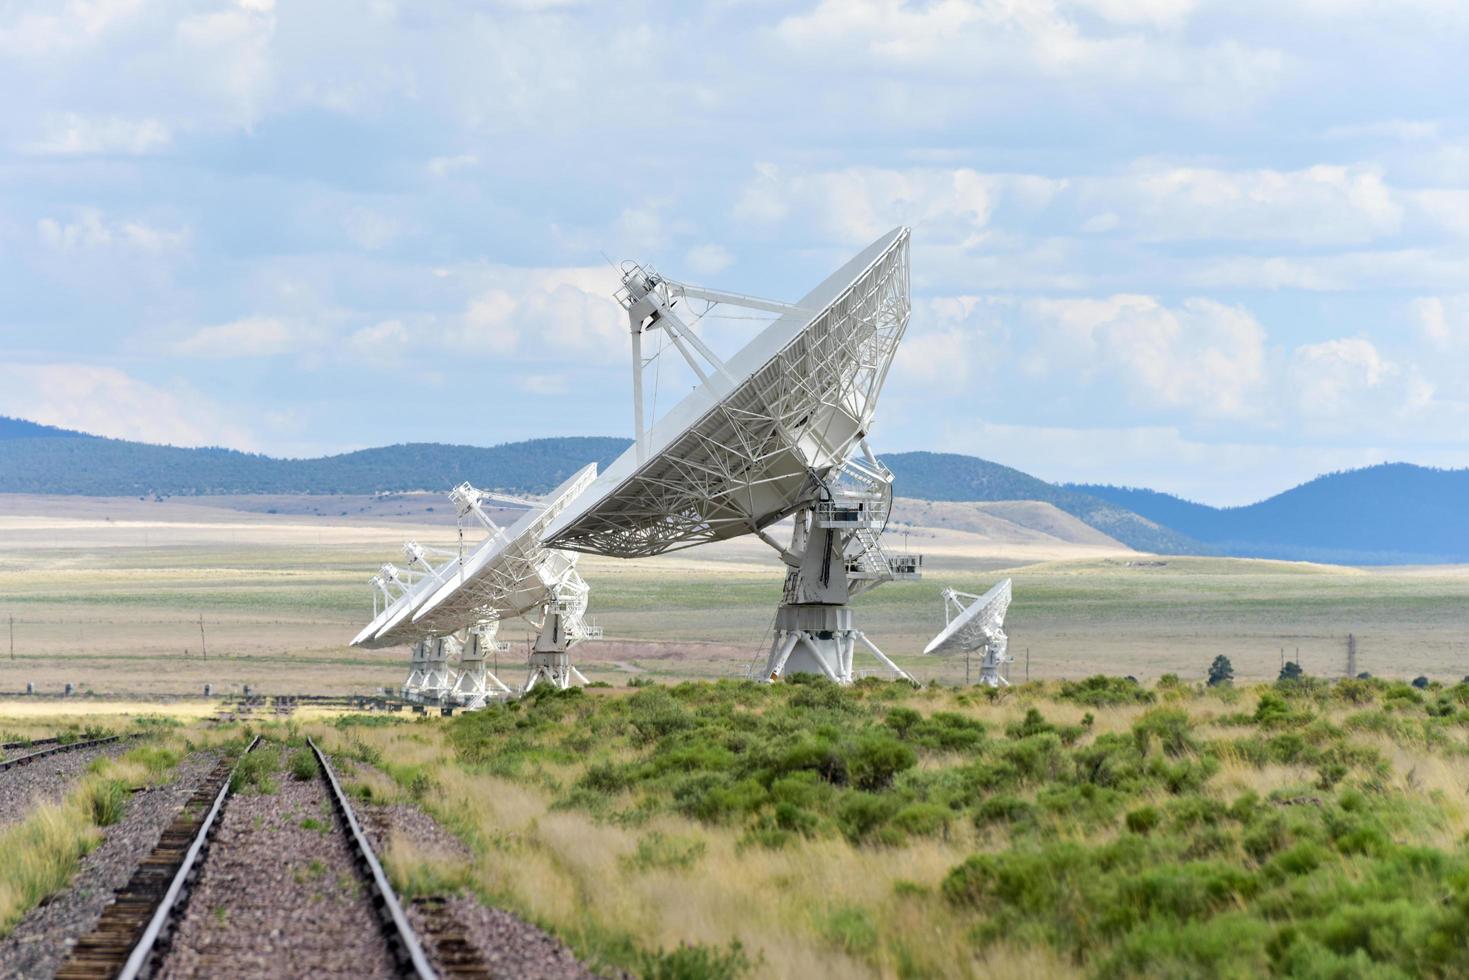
548, 314
488, 325
543, 384
386, 342
369, 229
1345, 272
1320, 204
855, 205
227, 56
108, 402
1443, 321
1348, 386
256, 336
75, 135
1040, 40
443, 166
63, 26
92, 230
1202, 356
1397, 130
1158, 13
708, 260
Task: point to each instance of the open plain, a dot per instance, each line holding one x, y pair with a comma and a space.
109, 595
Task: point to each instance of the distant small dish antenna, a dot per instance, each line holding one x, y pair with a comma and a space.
977, 622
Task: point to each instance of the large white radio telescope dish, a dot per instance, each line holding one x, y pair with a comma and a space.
977, 623
738, 453
777, 431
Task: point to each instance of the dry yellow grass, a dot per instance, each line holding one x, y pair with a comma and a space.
580, 877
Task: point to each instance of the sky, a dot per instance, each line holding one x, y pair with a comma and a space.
1214, 248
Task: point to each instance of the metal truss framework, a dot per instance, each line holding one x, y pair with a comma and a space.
788, 438
524, 579
765, 450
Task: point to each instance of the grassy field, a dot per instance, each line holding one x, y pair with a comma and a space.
114, 606
1093, 828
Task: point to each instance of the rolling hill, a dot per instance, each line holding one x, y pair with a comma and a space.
44, 460
1390, 514
950, 476
1394, 513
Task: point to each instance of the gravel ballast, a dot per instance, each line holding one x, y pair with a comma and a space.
40, 941
510, 947
276, 898
49, 779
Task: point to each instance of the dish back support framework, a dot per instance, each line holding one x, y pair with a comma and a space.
777, 431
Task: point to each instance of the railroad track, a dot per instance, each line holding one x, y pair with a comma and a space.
25, 745
28, 758
136, 932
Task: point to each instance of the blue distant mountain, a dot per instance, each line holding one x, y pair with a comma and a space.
21, 429
1390, 514
1394, 513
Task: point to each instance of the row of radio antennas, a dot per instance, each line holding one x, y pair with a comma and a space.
774, 433
453, 670
423, 564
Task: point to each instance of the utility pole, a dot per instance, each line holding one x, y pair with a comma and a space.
12, 636
1027, 665
966, 668
1351, 655
203, 651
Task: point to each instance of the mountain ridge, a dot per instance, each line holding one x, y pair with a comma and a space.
1393, 513
1390, 513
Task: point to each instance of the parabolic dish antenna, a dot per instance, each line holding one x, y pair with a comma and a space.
403, 590
775, 431
514, 574
976, 623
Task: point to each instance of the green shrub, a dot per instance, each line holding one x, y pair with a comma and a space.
667, 851
1004, 809
902, 721
862, 815
1171, 728
1144, 819
1034, 723
1102, 691
850, 928
252, 774
303, 765
948, 731
106, 801
695, 963
875, 759
923, 820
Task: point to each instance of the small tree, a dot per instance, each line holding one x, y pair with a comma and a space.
1221, 671
1420, 682
1291, 672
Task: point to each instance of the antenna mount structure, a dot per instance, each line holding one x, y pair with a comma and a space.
448, 603
974, 622
778, 431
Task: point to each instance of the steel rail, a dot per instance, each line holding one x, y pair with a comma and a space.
22, 760
54, 740
144, 948
400, 933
